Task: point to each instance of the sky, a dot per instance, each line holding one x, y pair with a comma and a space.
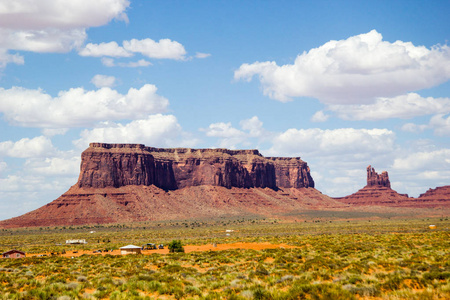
341, 84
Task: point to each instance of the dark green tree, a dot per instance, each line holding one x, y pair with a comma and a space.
176, 246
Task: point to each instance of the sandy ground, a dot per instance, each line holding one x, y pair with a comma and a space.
187, 249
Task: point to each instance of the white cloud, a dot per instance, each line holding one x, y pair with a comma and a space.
404, 107
78, 107
230, 137
202, 55
414, 128
418, 171
43, 14
104, 49
6, 58
223, 130
254, 126
319, 116
49, 40
40, 146
424, 161
157, 130
54, 131
109, 62
357, 143
135, 64
52, 25
3, 166
440, 124
356, 70
103, 81
54, 166
164, 49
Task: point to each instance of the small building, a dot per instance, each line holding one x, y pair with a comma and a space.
76, 242
13, 254
130, 249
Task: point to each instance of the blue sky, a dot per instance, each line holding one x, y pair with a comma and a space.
342, 84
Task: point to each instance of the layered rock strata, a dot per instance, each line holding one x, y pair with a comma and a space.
116, 165
133, 182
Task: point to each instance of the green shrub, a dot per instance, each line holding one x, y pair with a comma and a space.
175, 246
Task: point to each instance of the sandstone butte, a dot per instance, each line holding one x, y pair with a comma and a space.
121, 183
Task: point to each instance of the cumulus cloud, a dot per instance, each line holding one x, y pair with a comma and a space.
52, 25
424, 161
6, 58
111, 49
78, 107
356, 70
403, 106
230, 137
43, 14
40, 146
202, 55
357, 143
223, 130
254, 126
54, 166
158, 130
163, 49
439, 123
103, 81
319, 116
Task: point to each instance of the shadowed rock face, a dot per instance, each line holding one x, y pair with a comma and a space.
116, 165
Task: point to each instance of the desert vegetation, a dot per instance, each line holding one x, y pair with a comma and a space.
389, 259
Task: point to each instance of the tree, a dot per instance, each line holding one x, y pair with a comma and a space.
176, 246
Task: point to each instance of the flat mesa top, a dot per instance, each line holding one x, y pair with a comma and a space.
162, 152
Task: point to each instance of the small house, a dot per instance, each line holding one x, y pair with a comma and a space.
72, 242
13, 254
130, 249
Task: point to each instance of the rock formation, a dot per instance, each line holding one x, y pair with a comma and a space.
133, 182
116, 165
438, 195
375, 179
378, 192
122, 183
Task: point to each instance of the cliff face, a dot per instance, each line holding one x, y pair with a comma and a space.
116, 165
105, 166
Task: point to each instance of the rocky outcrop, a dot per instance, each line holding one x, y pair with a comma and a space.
378, 192
440, 194
375, 179
116, 165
